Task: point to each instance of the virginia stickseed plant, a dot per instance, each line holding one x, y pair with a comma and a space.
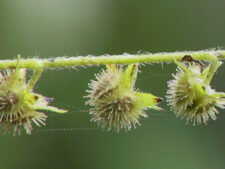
114, 101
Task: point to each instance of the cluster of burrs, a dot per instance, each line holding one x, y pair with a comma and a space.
114, 100
117, 104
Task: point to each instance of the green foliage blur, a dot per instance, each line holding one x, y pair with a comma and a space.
51, 28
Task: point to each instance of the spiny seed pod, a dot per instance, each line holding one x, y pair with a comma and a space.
28, 117
114, 100
190, 95
18, 104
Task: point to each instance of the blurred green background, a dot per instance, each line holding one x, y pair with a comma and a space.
54, 28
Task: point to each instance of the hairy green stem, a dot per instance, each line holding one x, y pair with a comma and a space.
214, 66
36, 75
58, 62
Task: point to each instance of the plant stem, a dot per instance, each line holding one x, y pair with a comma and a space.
58, 62
36, 75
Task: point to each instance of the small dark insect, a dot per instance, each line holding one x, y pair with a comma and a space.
51, 59
12, 67
188, 58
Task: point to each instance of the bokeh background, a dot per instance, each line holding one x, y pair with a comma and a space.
81, 27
